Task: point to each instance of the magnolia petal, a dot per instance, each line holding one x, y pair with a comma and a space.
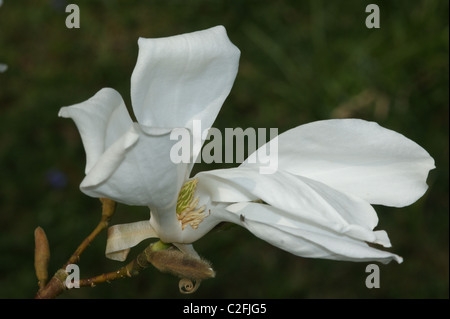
183, 78
166, 224
304, 239
138, 174
217, 186
101, 120
356, 157
124, 236
303, 198
109, 161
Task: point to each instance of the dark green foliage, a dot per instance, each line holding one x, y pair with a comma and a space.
301, 61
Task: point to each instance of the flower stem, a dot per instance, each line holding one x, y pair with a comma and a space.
56, 285
132, 269
108, 208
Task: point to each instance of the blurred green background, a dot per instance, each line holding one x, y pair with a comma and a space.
301, 61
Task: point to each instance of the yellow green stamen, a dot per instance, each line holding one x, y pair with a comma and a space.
187, 211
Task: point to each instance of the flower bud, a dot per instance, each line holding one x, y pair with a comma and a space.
41, 256
180, 264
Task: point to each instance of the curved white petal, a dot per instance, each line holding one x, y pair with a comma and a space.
139, 173
109, 161
101, 120
304, 239
124, 236
300, 196
183, 78
221, 185
356, 157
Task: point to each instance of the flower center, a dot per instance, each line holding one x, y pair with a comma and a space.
187, 211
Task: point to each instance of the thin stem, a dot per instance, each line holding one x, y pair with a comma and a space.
132, 269
56, 285
108, 208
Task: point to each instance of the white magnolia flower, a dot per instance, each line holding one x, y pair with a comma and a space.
318, 203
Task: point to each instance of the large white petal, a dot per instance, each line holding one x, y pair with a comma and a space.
300, 196
357, 157
183, 78
301, 238
101, 120
124, 236
139, 173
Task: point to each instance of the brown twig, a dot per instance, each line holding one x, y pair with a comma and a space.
56, 285
162, 256
192, 270
132, 269
108, 208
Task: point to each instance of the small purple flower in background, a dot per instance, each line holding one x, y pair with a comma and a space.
56, 178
